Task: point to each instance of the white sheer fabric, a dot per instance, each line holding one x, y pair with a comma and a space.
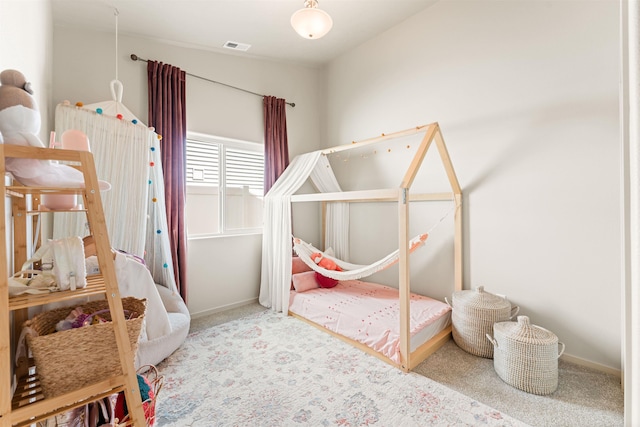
337, 220
134, 207
127, 148
276, 236
158, 255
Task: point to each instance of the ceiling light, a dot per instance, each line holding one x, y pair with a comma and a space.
311, 22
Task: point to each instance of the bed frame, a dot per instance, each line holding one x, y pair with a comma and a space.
415, 357
402, 197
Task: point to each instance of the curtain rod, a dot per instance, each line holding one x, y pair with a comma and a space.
135, 57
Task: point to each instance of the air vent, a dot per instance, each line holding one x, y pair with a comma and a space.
237, 46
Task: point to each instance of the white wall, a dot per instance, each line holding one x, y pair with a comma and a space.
526, 94
222, 271
29, 51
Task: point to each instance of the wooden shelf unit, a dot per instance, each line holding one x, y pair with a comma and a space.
28, 406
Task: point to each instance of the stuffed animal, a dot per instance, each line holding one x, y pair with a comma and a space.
324, 262
327, 264
19, 125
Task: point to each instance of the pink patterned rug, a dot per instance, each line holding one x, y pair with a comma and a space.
272, 370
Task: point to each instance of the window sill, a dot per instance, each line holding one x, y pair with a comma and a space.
225, 235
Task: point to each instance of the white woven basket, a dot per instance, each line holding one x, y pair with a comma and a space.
526, 356
472, 317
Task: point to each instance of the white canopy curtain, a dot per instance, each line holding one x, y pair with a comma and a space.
127, 156
337, 219
276, 236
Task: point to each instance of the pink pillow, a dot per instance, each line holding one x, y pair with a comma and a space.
324, 281
298, 266
304, 281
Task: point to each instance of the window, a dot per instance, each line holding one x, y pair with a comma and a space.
225, 185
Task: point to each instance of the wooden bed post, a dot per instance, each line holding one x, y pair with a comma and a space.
404, 286
457, 197
457, 244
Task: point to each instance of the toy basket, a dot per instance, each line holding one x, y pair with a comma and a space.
526, 356
472, 317
71, 359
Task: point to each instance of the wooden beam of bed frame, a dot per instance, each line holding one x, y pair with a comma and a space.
382, 137
418, 355
382, 195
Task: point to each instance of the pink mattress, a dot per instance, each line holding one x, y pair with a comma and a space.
369, 313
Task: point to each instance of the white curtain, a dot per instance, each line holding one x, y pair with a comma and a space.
157, 245
276, 236
337, 220
128, 156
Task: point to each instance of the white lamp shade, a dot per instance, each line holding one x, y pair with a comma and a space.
311, 23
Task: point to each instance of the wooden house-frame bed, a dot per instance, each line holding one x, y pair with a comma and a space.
276, 275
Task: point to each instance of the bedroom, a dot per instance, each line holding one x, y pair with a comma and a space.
526, 94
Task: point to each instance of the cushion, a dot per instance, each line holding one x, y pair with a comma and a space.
298, 266
324, 281
304, 281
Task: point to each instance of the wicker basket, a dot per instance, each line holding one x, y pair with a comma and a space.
526, 356
71, 359
473, 314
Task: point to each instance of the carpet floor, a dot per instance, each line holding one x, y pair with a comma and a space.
272, 370
585, 397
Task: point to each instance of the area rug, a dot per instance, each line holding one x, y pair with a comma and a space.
272, 370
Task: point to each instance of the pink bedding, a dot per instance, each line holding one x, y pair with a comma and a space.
367, 312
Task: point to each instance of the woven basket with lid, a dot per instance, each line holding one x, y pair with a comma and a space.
526, 356
472, 317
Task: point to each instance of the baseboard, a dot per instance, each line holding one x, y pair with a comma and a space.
223, 308
593, 365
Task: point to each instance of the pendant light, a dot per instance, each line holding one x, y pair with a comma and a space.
311, 22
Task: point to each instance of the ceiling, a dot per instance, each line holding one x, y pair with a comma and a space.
263, 24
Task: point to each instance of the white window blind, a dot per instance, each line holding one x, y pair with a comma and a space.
203, 162
245, 168
225, 184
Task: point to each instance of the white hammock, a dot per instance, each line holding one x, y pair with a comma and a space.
356, 271
351, 271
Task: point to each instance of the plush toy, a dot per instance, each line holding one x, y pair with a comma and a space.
327, 264
19, 125
324, 262
69, 321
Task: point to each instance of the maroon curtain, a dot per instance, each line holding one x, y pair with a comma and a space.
167, 114
276, 149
